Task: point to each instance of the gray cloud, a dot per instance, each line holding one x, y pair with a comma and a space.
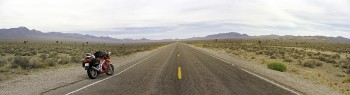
160, 19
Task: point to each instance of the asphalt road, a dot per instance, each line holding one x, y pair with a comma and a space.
201, 74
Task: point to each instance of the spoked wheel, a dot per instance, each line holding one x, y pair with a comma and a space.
92, 73
110, 70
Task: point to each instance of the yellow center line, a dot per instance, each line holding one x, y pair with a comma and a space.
179, 76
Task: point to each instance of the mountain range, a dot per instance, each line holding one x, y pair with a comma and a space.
228, 35
235, 35
23, 33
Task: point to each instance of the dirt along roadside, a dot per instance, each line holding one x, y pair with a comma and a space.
44, 80
287, 79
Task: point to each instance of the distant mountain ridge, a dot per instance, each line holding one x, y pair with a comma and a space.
227, 35
23, 33
235, 35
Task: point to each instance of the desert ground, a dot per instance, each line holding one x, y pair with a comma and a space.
312, 68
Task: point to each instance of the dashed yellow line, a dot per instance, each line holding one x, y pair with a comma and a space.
179, 75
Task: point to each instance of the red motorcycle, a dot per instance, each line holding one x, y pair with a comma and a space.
98, 64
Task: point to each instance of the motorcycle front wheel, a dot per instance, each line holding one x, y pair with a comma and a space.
110, 69
92, 73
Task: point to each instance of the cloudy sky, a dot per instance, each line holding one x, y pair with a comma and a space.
161, 19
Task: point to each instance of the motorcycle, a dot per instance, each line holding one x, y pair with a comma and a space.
99, 65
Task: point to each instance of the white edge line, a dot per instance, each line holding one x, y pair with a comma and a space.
110, 76
271, 82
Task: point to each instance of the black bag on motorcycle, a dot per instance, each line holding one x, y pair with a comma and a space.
95, 61
100, 54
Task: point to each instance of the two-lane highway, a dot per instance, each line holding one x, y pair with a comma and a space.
201, 74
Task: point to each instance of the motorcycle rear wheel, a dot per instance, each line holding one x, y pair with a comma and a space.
92, 73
